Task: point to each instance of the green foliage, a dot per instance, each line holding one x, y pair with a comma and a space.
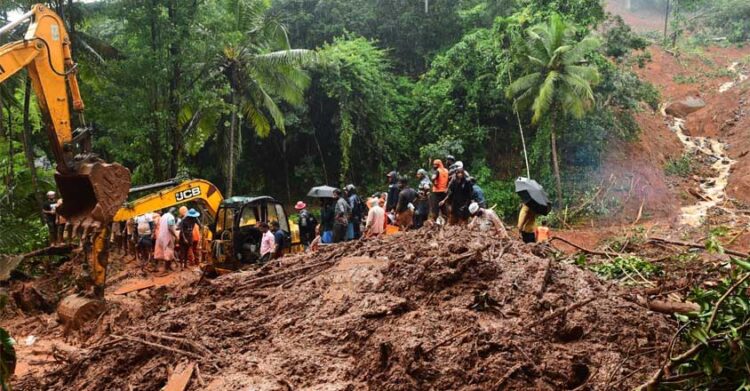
7, 359
555, 80
355, 75
500, 195
682, 166
721, 333
623, 266
620, 40
729, 18
713, 244
174, 88
448, 145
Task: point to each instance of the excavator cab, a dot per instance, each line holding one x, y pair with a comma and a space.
236, 238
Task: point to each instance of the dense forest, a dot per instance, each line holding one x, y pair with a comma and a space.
273, 97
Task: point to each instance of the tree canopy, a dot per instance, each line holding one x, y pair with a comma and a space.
275, 96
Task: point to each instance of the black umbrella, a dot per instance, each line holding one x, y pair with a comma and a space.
533, 195
321, 192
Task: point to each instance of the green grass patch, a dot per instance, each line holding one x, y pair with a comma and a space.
623, 266
682, 166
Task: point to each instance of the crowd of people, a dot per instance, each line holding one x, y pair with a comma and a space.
446, 195
169, 239
443, 196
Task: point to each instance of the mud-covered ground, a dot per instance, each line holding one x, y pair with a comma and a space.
430, 309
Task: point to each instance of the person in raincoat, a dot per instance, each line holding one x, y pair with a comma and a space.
439, 188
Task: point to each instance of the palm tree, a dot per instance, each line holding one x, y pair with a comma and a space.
557, 81
260, 68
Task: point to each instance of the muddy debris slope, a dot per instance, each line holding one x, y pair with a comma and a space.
431, 309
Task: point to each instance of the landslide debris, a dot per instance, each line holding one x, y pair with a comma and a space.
430, 309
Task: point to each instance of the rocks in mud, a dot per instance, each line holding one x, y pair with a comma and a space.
685, 106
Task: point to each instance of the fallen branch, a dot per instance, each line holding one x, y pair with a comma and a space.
183, 341
584, 249
274, 276
545, 277
507, 375
159, 346
697, 245
656, 378
448, 339
563, 311
671, 307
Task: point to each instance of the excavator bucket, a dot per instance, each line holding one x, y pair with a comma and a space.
97, 191
91, 197
75, 311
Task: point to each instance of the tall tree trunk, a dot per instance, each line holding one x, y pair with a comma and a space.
157, 153
555, 163
28, 149
2, 131
11, 153
175, 77
286, 169
233, 125
322, 157
666, 21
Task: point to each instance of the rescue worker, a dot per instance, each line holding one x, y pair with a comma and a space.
375, 224
165, 240
145, 228
423, 178
267, 242
422, 204
341, 217
405, 205
50, 215
450, 161
60, 222
459, 198
393, 191
279, 239
527, 224
439, 188
306, 222
327, 217
477, 194
486, 219
357, 211
187, 225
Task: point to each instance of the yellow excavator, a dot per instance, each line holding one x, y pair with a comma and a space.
230, 231
92, 190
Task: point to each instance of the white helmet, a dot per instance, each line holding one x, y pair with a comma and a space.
473, 207
50, 193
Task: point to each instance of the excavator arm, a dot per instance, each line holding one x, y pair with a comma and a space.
92, 191
197, 190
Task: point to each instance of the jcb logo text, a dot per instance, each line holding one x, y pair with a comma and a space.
188, 194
